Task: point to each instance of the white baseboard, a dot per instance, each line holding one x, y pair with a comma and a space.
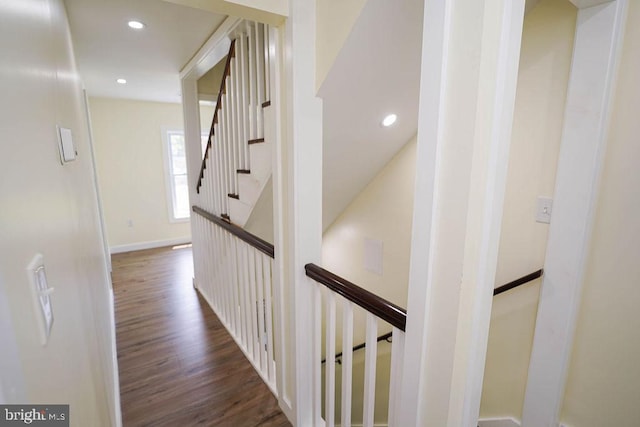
498, 422
148, 245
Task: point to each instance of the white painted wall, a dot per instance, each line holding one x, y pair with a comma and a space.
335, 20
382, 211
603, 386
260, 221
545, 61
51, 209
128, 144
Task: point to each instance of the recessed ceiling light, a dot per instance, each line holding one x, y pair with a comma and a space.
136, 25
389, 120
121, 81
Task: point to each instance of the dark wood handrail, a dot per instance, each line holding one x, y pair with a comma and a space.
518, 282
227, 71
504, 288
261, 245
385, 310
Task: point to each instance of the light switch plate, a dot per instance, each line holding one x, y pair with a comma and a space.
543, 210
67, 149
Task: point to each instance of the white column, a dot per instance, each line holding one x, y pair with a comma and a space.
304, 180
593, 69
469, 73
191, 115
282, 315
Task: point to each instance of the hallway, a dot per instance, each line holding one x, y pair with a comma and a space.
178, 365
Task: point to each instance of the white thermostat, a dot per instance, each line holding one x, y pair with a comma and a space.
41, 293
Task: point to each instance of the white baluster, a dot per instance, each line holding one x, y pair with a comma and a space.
251, 307
254, 310
222, 119
244, 72
347, 361
252, 80
330, 360
397, 356
259, 43
238, 100
228, 279
233, 120
371, 357
266, 274
261, 338
267, 74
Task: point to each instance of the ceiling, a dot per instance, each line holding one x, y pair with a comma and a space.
149, 59
377, 72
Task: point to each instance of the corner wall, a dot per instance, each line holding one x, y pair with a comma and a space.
51, 209
131, 174
545, 61
603, 386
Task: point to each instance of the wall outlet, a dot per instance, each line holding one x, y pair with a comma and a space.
543, 210
129, 223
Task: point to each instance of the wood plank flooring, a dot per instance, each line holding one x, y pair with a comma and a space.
178, 365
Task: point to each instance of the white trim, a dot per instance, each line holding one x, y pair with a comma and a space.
279, 316
114, 361
129, 247
598, 40
484, 224
498, 422
304, 216
464, 134
213, 50
436, 29
168, 173
103, 226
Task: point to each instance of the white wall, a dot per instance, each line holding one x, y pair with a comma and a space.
50, 209
545, 61
335, 18
603, 386
131, 173
260, 221
382, 211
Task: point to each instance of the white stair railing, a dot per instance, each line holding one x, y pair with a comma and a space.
238, 121
234, 274
342, 295
233, 268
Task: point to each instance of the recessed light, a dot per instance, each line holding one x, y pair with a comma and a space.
121, 81
389, 120
136, 25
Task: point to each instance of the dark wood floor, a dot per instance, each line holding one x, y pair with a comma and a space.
178, 365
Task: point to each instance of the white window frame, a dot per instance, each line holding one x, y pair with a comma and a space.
168, 173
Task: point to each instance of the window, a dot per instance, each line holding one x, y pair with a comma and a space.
175, 161
177, 175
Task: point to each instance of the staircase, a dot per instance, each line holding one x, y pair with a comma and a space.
237, 163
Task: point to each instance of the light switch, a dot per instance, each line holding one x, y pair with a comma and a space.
543, 210
41, 293
67, 149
